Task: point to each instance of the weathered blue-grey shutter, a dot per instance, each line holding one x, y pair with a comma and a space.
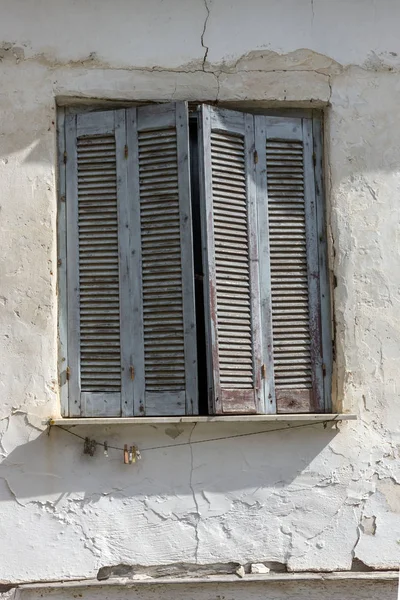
100, 334
291, 242
165, 362
232, 298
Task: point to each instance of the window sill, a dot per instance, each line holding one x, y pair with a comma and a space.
287, 418
269, 578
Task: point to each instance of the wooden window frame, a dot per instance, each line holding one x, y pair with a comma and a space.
315, 118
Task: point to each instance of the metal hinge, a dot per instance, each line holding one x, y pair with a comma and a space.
263, 371
126, 151
68, 373
324, 370
314, 159
65, 158
255, 157
132, 372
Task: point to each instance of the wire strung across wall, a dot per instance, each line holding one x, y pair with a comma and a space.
132, 453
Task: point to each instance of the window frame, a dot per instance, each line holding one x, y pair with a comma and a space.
327, 331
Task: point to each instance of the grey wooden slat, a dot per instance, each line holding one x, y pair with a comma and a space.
284, 128
210, 294
166, 260
174, 403
254, 261
136, 264
189, 317
326, 321
156, 116
313, 267
265, 272
228, 120
93, 197
62, 269
99, 404
126, 277
73, 267
231, 254
289, 267
97, 122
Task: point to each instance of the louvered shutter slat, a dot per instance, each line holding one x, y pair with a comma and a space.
232, 296
95, 198
293, 264
164, 308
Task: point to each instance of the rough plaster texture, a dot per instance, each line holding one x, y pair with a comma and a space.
309, 499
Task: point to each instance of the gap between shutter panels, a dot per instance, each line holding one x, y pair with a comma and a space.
100, 346
289, 282
230, 212
161, 261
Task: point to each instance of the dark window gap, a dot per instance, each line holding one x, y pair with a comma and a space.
198, 266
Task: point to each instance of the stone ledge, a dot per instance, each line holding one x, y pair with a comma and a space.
287, 418
213, 579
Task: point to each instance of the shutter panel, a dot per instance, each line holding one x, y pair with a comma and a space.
165, 349
231, 262
294, 270
98, 314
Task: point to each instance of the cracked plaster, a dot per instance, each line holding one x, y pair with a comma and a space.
308, 500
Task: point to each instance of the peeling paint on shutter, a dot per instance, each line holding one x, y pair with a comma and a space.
232, 292
293, 266
163, 243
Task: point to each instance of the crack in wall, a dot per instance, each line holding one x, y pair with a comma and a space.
206, 48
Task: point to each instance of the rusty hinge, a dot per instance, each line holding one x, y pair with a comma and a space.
263, 371
314, 159
68, 373
65, 157
132, 372
126, 151
255, 157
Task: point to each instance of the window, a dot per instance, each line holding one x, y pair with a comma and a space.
192, 263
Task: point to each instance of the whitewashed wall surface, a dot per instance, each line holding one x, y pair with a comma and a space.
305, 500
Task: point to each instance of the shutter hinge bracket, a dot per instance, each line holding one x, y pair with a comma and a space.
324, 370
65, 157
263, 371
314, 159
255, 157
68, 373
132, 372
126, 151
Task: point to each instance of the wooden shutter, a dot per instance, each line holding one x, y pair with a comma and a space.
99, 331
232, 296
164, 311
293, 264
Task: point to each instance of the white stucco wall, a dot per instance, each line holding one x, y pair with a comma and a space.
309, 499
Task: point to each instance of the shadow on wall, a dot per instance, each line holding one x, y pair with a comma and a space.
250, 467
